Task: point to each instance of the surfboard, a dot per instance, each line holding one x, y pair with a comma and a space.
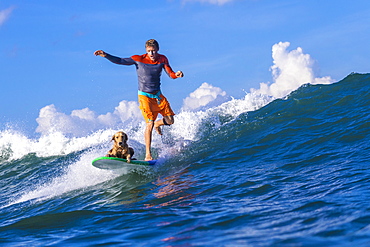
117, 163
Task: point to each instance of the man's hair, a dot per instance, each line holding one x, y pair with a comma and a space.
152, 42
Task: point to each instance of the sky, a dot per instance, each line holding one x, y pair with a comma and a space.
225, 48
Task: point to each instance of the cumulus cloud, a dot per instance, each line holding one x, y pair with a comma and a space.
85, 114
205, 96
84, 121
4, 14
291, 70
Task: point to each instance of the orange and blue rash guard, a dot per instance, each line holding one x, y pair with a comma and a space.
148, 71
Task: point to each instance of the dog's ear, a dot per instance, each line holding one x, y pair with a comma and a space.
126, 137
113, 137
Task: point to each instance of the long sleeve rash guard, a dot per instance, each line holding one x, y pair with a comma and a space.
148, 71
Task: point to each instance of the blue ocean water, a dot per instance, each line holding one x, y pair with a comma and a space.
293, 172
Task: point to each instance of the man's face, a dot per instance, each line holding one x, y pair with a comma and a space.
152, 52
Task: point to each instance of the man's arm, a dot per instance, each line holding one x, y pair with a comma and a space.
170, 72
114, 59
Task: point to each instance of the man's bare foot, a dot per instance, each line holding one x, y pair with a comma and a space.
148, 158
158, 129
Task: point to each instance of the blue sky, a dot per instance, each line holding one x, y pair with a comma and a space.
46, 47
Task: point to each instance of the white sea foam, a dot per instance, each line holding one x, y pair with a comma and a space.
15, 145
80, 174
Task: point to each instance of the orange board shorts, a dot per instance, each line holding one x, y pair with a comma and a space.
150, 108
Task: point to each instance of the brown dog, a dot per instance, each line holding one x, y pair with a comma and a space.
120, 148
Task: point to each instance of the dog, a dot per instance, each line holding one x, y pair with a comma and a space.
120, 148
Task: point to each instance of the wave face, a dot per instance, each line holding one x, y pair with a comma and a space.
250, 172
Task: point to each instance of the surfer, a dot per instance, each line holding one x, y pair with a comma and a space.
149, 68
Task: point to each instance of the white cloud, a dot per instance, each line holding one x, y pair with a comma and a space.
291, 70
84, 121
4, 14
218, 2
127, 110
85, 114
205, 96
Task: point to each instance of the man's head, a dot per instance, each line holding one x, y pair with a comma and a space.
152, 43
152, 48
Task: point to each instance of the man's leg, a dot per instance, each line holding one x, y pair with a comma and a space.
148, 140
166, 120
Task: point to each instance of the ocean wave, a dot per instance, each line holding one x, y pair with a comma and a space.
295, 167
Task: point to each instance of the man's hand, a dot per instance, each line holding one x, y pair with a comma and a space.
179, 74
100, 53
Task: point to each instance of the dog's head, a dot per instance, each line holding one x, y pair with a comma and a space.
120, 139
